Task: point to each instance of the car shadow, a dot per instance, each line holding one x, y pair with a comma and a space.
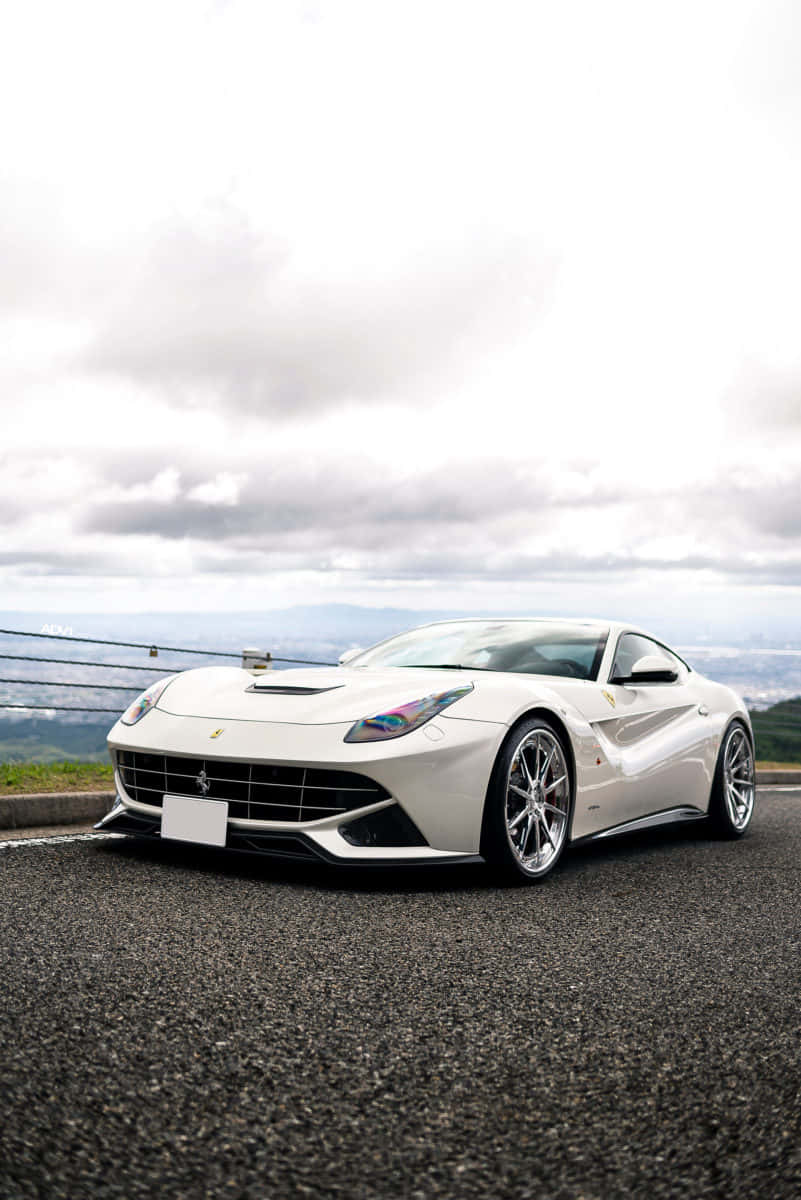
436, 878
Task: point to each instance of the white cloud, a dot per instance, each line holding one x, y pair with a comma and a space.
223, 490
163, 489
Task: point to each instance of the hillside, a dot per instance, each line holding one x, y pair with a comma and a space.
36, 740
777, 732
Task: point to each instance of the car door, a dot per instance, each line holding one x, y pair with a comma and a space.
655, 738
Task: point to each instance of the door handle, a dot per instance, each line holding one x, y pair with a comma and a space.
703, 710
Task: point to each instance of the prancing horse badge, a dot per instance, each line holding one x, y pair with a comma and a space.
217, 732
608, 695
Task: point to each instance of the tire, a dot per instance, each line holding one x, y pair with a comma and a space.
731, 803
529, 804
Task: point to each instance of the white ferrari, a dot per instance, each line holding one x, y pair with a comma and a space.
466, 740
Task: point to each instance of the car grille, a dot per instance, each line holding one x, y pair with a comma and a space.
254, 791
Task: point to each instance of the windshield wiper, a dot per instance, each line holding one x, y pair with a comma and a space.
444, 667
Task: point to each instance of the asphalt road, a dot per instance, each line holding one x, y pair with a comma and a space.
177, 1023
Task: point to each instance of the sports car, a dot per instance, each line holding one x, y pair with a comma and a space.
502, 740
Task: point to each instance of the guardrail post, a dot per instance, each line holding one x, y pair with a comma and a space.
256, 660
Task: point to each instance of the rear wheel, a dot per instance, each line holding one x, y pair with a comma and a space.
527, 810
731, 805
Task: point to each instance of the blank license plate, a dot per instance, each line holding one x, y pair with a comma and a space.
184, 819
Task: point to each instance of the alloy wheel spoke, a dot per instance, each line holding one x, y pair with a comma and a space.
555, 784
557, 812
541, 774
513, 824
519, 791
543, 824
738, 754
526, 769
525, 837
537, 837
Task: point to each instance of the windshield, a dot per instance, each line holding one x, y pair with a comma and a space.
568, 649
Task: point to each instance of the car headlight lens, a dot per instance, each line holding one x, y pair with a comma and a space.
143, 704
404, 719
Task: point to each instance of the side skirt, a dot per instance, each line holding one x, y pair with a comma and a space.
668, 816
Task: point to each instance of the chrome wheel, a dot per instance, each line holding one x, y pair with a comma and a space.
738, 777
537, 801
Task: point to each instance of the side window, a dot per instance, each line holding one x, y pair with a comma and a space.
633, 646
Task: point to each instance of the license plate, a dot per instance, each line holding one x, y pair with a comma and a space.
185, 819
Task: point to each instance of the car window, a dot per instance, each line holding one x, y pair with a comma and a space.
632, 647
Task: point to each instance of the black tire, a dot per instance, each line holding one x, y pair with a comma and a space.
731, 802
523, 836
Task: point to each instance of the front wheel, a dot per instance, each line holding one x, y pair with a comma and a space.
527, 811
731, 805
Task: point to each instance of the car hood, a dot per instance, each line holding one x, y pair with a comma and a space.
313, 696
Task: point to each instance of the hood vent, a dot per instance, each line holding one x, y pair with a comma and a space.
276, 689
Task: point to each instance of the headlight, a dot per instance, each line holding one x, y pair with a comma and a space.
404, 719
143, 704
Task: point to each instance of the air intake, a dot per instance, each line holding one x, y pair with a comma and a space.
274, 689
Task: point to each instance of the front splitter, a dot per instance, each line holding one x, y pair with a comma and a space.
277, 844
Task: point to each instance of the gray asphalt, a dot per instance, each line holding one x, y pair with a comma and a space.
176, 1022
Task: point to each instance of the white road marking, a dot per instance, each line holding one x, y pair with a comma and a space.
58, 838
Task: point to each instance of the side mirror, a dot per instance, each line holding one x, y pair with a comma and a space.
349, 654
649, 669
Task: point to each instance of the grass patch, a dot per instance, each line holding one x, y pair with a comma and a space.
778, 766
55, 777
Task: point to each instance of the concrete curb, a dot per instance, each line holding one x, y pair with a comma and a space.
32, 810
777, 777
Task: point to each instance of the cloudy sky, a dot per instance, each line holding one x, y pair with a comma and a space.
487, 305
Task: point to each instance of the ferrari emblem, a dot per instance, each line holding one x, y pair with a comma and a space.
217, 732
609, 697
202, 784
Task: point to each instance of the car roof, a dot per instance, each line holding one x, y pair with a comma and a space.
602, 625
579, 622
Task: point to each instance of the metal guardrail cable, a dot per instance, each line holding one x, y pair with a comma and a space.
162, 669
63, 637
79, 662
60, 708
303, 662
106, 687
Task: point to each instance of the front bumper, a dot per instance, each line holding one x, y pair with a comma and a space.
299, 845
437, 775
